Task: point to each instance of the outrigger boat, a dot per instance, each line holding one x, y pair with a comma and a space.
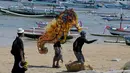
36, 32
29, 13
116, 19
118, 31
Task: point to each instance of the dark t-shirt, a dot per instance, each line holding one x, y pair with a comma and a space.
17, 46
77, 45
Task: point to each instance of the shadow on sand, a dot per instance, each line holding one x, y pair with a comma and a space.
67, 72
34, 66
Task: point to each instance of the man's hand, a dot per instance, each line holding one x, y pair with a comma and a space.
95, 39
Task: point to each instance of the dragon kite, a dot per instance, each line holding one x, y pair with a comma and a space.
58, 29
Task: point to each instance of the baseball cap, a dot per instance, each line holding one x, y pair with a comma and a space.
20, 30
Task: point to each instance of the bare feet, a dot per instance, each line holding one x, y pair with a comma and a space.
57, 66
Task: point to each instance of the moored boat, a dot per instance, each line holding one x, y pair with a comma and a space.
36, 32
27, 11
116, 19
118, 31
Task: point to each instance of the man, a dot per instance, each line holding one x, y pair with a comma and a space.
77, 46
58, 54
18, 52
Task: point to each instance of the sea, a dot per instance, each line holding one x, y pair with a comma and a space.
94, 23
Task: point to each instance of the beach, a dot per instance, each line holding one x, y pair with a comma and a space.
99, 56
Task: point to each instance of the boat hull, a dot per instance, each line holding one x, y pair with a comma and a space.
34, 36
119, 32
35, 33
25, 14
115, 19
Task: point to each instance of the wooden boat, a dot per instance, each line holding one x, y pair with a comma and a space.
108, 15
123, 1
125, 6
28, 11
28, 14
75, 4
118, 31
113, 6
116, 19
41, 24
36, 32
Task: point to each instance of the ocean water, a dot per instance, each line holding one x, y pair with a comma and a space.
94, 23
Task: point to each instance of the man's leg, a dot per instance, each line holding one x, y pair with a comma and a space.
82, 57
54, 59
57, 64
77, 56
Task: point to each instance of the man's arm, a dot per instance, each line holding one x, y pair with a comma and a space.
22, 55
75, 44
21, 47
88, 42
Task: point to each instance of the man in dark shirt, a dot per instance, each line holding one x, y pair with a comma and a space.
18, 52
77, 46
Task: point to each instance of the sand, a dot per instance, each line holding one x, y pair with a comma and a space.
99, 56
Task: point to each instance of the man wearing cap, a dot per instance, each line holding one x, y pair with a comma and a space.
18, 52
77, 46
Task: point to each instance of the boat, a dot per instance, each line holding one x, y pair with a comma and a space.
36, 32
118, 31
32, 11
125, 6
29, 12
108, 15
39, 3
113, 5
116, 19
23, 14
43, 24
76, 4
123, 1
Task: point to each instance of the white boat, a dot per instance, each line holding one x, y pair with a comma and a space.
36, 32
29, 12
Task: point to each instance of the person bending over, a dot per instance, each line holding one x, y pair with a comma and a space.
77, 46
